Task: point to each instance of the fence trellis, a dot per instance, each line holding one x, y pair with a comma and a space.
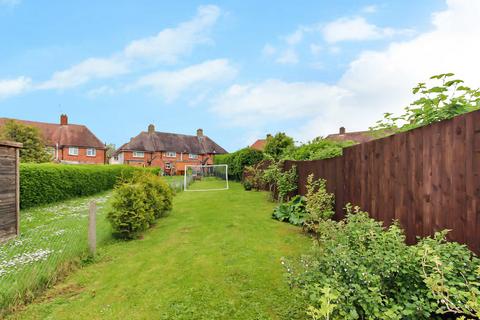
428, 179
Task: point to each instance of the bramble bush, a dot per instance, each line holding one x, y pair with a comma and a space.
360, 270
137, 203
47, 183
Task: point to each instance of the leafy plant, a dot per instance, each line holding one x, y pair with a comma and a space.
317, 149
444, 100
292, 211
247, 185
361, 270
319, 203
237, 161
280, 182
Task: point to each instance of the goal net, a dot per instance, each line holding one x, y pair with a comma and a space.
206, 177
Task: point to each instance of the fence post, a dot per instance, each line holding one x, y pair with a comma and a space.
92, 227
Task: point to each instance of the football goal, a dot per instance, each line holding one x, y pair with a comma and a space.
206, 177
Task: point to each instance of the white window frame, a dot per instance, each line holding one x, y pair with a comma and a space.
193, 156
168, 165
136, 154
91, 154
170, 154
73, 151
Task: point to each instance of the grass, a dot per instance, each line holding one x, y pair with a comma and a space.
51, 238
216, 256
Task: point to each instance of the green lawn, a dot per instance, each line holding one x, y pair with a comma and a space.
216, 256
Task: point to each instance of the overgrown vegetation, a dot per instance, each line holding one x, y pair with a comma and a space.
319, 204
47, 183
33, 149
137, 203
445, 99
282, 183
292, 212
237, 161
277, 145
360, 270
317, 149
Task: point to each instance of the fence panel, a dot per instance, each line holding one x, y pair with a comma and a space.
428, 179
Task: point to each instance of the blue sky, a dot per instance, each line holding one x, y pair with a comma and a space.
237, 69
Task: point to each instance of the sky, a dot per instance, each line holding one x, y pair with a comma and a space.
237, 69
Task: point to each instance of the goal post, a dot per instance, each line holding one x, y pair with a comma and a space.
206, 177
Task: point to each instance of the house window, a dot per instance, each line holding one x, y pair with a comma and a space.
171, 154
193, 156
73, 151
91, 152
138, 154
168, 165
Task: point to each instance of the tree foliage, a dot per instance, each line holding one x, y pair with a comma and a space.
445, 99
318, 148
33, 149
237, 161
277, 145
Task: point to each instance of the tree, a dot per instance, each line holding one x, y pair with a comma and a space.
33, 149
317, 149
278, 144
110, 149
445, 100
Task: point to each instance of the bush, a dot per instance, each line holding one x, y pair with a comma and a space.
360, 270
317, 149
47, 183
319, 203
137, 203
237, 161
281, 182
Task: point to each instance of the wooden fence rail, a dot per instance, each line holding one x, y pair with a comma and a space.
428, 179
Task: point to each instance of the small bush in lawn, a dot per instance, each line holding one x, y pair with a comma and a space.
137, 203
130, 214
360, 270
158, 193
247, 185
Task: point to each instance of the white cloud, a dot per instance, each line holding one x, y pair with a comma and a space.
295, 37
12, 87
170, 44
370, 9
374, 83
93, 68
101, 91
356, 29
268, 50
10, 3
274, 99
287, 56
171, 84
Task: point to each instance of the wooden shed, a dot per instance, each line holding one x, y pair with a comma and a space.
9, 189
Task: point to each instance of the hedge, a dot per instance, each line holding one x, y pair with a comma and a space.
47, 183
238, 160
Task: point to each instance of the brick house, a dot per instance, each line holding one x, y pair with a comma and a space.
260, 143
68, 143
169, 151
358, 136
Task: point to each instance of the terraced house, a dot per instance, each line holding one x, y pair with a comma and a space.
169, 151
68, 143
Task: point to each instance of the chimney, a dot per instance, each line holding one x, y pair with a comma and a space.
151, 128
63, 120
199, 132
342, 130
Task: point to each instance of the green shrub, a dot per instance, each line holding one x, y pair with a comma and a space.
158, 193
292, 211
360, 270
317, 149
281, 182
319, 203
47, 183
237, 161
131, 212
137, 203
247, 185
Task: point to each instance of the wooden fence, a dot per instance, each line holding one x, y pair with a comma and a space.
9, 186
428, 179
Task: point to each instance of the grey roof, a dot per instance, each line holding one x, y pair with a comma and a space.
163, 141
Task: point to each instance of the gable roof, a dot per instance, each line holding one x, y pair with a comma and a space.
359, 136
65, 135
259, 144
163, 141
